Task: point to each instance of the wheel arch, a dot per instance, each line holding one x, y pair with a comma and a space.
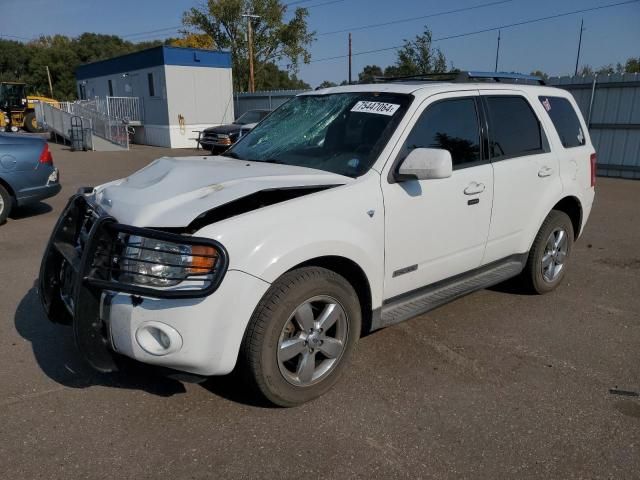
8, 188
573, 208
354, 274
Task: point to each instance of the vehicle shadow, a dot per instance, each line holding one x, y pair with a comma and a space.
513, 286
234, 388
56, 354
33, 210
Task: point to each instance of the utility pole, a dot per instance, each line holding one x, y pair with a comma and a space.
579, 45
249, 18
497, 51
50, 84
349, 58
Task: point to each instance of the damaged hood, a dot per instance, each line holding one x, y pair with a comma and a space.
172, 192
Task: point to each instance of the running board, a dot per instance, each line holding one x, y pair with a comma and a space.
417, 302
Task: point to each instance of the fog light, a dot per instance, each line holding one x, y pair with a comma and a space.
158, 338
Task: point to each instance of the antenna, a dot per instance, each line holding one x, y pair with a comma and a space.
579, 45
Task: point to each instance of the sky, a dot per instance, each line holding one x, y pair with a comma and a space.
611, 35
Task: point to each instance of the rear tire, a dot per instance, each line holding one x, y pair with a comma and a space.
301, 336
549, 255
6, 204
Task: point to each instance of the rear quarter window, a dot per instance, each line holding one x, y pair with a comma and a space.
565, 120
514, 129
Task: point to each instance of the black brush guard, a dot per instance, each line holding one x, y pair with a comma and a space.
77, 268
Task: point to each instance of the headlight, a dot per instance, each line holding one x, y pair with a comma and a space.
159, 263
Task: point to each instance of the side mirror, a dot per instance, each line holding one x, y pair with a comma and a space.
425, 164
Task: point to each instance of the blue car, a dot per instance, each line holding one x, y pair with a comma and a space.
27, 174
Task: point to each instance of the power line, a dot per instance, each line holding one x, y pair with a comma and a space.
354, 29
330, 2
484, 30
177, 27
311, 6
403, 20
167, 29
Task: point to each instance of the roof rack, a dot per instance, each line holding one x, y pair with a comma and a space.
466, 77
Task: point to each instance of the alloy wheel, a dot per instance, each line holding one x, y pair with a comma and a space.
555, 254
312, 341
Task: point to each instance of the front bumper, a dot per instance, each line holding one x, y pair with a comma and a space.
203, 331
209, 145
210, 329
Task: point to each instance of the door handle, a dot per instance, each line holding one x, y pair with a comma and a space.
545, 172
474, 188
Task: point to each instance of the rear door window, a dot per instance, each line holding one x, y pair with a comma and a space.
565, 120
450, 125
514, 129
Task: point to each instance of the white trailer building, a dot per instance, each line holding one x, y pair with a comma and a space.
180, 90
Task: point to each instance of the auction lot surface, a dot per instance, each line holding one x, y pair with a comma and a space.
496, 385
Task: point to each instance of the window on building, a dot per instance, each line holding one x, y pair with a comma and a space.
565, 120
514, 129
110, 88
451, 125
152, 88
83, 91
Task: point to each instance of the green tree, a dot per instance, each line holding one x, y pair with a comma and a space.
62, 54
14, 60
605, 70
270, 77
417, 57
540, 73
632, 65
586, 71
193, 40
327, 84
57, 53
368, 73
274, 39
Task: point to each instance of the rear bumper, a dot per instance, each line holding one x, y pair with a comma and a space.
35, 194
586, 201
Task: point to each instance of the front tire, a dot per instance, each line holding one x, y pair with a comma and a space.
546, 265
301, 336
6, 203
31, 124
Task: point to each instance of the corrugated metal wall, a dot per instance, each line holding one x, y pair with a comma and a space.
262, 100
611, 106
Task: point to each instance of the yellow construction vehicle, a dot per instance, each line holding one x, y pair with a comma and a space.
17, 109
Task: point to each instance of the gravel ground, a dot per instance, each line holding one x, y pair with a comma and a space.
495, 385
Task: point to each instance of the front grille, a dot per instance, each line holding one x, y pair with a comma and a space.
90, 217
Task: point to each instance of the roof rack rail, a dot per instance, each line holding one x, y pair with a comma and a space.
466, 77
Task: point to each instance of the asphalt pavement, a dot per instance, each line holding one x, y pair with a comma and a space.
498, 384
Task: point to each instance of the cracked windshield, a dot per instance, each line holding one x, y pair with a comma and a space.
341, 133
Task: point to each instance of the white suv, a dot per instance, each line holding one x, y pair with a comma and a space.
346, 210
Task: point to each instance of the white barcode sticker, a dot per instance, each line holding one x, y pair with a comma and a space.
379, 108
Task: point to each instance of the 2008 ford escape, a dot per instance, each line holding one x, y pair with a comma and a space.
346, 210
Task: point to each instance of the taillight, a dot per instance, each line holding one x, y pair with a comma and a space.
45, 155
594, 161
